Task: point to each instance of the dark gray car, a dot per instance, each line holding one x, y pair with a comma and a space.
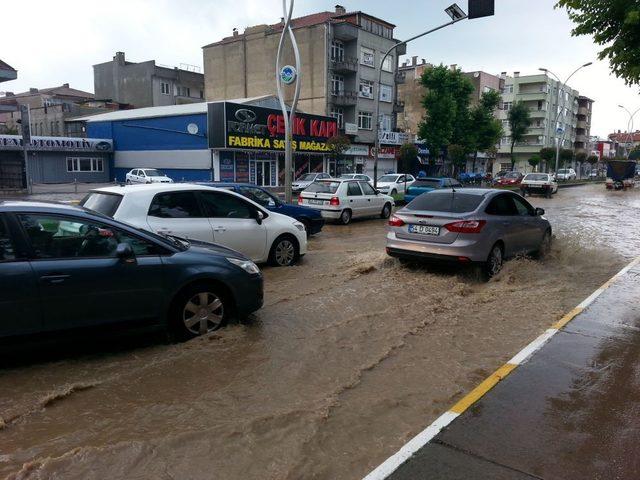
480, 226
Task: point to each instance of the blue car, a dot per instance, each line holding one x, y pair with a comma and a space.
310, 217
427, 184
65, 267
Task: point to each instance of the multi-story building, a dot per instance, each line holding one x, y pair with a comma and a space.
554, 112
583, 125
339, 53
410, 93
147, 84
483, 82
7, 72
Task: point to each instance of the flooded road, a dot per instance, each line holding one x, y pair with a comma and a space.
351, 355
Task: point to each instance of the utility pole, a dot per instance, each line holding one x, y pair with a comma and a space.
25, 124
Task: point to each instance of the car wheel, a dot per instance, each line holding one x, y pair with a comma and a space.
305, 222
345, 217
128, 182
494, 262
200, 309
524, 192
284, 252
549, 193
394, 192
386, 211
545, 245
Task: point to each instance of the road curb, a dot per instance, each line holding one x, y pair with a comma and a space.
412, 446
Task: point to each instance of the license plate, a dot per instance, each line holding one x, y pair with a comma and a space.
313, 201
424, 229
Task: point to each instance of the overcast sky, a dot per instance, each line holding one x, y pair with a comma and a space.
50, 46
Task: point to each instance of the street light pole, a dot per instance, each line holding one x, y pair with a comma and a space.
561, 84
629, 128
377, 93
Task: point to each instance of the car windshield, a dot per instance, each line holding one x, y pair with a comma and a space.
388, 178
347, 176
323, 187
449, 202
426, 183
307, 177
104, 203
563, 170
154, 173
512, 175
537, 177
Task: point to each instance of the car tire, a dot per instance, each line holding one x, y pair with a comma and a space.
128, 182
549, 193
524, 192
197, 310
386, 211
284, 252
307, 225
494, 262
345, 217
393, 192
545, 245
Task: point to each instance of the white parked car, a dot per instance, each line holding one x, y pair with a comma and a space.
208, 214
566, 174
394, 183
541, 183
342, 200
356, 176
146, 175
307, 179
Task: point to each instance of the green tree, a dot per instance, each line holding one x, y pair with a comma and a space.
519, 122
548, 155
566, 155
534, 161
615, 25
485, 130
458, 156
337, 145
592, 159
407, 157
446, 103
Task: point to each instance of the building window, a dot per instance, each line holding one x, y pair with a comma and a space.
201, 93
83, 164
184, 91
385, 123
367, 57
165, 88
387, 65
364, 120
507, 89
337, 84
366, 89
337, 51
386, 93
507, 106
338, 114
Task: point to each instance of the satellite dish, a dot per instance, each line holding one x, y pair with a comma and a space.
476, 74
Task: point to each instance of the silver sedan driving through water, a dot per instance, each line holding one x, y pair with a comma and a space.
480, 226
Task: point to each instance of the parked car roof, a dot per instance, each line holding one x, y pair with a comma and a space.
12, 205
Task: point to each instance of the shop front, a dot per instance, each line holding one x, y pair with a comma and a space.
249, 141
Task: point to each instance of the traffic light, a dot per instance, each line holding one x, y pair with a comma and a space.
481, 8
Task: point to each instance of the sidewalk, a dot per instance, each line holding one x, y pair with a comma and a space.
569, 411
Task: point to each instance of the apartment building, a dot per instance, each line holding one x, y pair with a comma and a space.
547, 101
147, 84
339, 53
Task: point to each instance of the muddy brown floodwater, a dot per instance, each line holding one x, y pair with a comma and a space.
351, 356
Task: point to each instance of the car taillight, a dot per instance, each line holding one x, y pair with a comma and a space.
335, 201
300, 200
395, 222
466, 226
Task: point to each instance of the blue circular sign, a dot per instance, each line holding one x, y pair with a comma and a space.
288, 74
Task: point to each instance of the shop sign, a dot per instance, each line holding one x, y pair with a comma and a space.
386, 152
357, 150
62, 144
393, 138
246, 127
351, 128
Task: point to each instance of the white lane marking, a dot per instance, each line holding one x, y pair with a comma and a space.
412, 446
534, 346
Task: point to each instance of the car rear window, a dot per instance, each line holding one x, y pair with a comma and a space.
104, 203
446, 202
426, 183
537, 177
323, 187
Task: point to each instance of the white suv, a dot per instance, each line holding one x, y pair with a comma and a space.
146, 175
343, 200
566, 174
208, 214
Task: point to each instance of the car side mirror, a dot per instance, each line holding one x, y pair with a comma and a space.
539, 211
125, 253
259, 217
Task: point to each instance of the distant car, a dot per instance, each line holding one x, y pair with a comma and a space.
471, 177
356, 176
427, 184
481, 226
207, 214
146, 175
307, 179
499, 175
509, 179
343, 200
593, 174
566, 174
539, 183
311, 218
64, 267
394, 183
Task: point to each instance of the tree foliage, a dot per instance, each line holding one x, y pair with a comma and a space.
485, 130
447, 109
458, 156
338, 145
407, 157
519, 122
566, 155
535, 160
581, 157
614, 24
548, 153
592, 159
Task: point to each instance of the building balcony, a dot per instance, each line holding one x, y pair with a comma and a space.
535, 113
400, 77
398, 107
344, 98
582, 124
583, 111
529, 96
537, 130
345, 31
346, 65
581, 139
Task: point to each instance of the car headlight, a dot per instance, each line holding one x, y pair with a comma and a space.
247, 265
299, 226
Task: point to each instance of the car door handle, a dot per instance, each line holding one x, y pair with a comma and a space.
54, 279
164, 231
506, 224
219, 229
